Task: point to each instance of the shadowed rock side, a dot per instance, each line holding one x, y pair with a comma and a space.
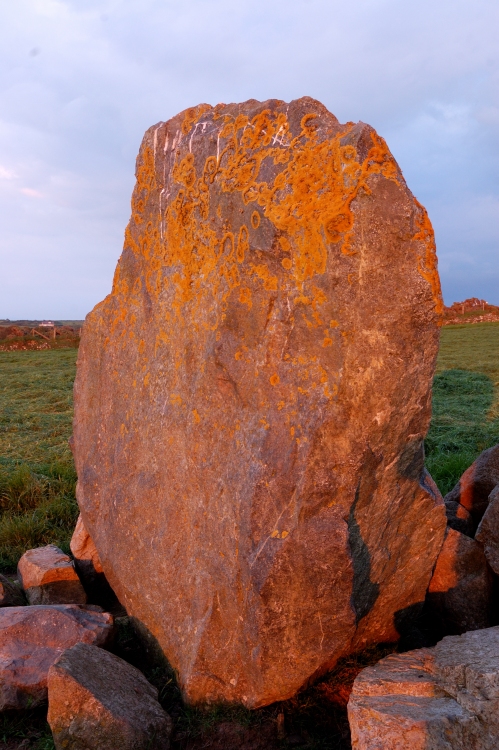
252, 396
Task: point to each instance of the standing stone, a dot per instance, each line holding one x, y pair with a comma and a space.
461, 589
99, 702
48, 576
252, 398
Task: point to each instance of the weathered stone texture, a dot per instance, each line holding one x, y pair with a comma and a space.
488, 531
11, 595
473, 489
48, 576
85, 554
461, 588
445, 698
32, 638
99, 702
252, 397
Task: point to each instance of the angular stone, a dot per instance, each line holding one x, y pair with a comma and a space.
460, 592
85, 554
488, 531
473, 489
32, 638
446, 698
48, 576
99, 702
252, 398
10, 594
459, 518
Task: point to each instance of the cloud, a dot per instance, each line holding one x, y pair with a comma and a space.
425, 75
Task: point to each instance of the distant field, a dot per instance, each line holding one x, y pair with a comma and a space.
37, 477
465, 400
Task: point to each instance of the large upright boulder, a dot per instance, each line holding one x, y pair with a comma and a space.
252, 398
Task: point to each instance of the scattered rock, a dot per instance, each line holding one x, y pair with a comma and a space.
11, 595
460, 592
279, 297
99, 702
31, 639
488, 531
85, 555
445, 698
48, 577
473, 489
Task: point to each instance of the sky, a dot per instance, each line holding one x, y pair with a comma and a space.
81, 81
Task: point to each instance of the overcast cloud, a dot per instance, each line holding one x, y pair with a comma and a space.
81, 80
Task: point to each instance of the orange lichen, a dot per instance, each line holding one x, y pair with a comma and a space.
255, 219
427, 261
306, 192
274, 379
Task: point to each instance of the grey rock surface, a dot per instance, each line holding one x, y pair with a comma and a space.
11, 595
99, 702
488, 531
445, 698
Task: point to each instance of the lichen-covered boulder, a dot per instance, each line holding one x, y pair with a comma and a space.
252, 398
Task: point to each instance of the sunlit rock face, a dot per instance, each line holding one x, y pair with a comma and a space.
252, 398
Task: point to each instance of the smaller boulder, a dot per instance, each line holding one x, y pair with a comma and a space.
459, 518
99, 702
10, 594
87, 561
460, 592
488, 531
443, 698
473, 489
48, 576
32, 638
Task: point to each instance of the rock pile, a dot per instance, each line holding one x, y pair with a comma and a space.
445, 698
252, 397
31, 639
461, 591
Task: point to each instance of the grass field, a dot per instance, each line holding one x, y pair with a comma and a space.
37, 476
465, 417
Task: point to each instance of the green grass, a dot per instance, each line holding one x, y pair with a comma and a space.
26, 729
465, 418
37, 476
